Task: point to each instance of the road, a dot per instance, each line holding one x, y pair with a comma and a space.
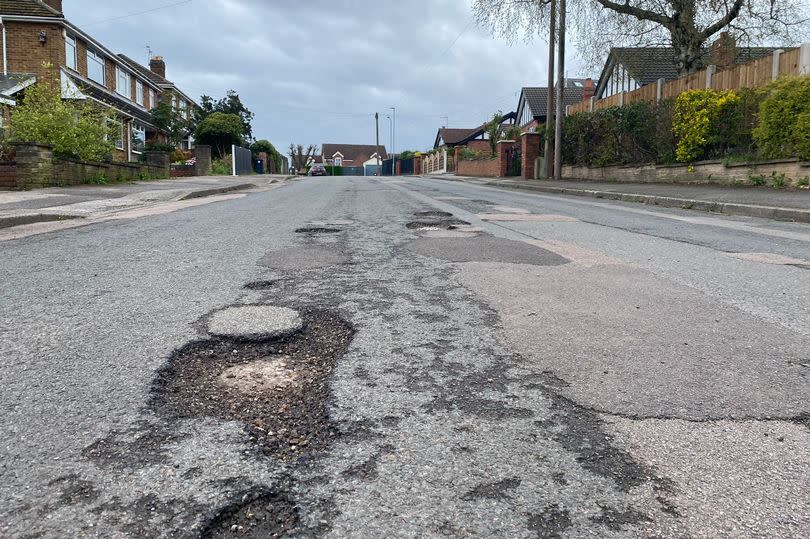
557, 367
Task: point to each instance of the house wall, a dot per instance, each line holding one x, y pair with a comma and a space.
26, 54
8, 176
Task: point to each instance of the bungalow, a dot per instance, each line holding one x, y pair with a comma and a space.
475, 137
630, 68
532, 109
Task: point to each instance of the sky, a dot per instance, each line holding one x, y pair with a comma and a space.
316, 71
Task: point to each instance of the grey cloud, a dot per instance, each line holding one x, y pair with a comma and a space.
316, 71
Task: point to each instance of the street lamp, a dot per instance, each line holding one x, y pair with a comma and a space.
394, 143
391, 140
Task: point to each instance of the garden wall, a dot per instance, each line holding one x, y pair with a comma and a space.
8, 175
485, 168
183, 171
36, 168
701, 172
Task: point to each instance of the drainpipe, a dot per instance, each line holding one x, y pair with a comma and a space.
5, 55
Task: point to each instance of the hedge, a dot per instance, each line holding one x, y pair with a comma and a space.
769, 123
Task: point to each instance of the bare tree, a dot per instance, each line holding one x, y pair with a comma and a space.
299, 157
685, 25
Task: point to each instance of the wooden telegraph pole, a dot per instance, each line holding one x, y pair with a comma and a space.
548, 150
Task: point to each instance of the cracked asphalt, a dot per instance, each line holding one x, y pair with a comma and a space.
557, 367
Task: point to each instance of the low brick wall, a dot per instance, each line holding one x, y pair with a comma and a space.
183, 171
484, 168
8, 175
36, 168
69, 172
705, 172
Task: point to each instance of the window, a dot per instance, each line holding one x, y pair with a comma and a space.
95, 67
123, 83
139, 92
138, 137
117, 130
152, 99
338, 162
183, 112
70, 52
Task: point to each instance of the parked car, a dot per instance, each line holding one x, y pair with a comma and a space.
317, 170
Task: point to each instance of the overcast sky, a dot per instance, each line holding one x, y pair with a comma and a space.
315, 71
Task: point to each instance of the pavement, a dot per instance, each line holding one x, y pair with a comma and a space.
780, 204
557, 367
88, 201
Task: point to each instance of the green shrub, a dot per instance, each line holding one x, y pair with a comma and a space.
158, 147
784, 118
697, 119
222, 167
468, 154
76, 129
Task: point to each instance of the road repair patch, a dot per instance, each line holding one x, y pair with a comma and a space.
485, 248
526, 217
304, 257
278, 389
770, 258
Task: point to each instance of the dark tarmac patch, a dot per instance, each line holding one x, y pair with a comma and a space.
259, 514
485, 248
143, 445
615, 519
317, 230
285, 422
493, 491
76, 490
551, 522
304, 257
261, 285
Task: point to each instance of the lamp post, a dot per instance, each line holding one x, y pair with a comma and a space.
391, 140
394, 143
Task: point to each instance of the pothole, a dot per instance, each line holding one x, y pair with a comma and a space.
258, 514
317, 230
433, 213
260, 376
436, 224
278, 389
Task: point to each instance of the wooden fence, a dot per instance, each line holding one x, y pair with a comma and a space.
753, 74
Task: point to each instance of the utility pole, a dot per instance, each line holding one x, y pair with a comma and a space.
377, 123
560, 88
548, 150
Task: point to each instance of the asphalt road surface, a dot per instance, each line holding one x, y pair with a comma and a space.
507, 365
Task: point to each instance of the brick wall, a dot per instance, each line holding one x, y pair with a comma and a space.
485, 168
183, 171
27, 55
530, 152
8, 176
203, 155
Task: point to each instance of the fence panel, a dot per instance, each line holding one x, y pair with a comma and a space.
242, 161
754, 74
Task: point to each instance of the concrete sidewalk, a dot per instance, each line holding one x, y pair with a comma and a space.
783, 205
85, 201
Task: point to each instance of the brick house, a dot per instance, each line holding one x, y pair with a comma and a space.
37, 35
350, 155
474, 138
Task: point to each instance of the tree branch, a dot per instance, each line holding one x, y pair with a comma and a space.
637, 12
732, 14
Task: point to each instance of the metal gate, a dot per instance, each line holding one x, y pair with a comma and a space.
242, 161
406, 166
514, 156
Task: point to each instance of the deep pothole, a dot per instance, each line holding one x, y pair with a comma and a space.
433, 213
259, 514
277, 388
436, 224
317, 230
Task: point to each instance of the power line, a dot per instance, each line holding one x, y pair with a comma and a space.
453, 44
118, 18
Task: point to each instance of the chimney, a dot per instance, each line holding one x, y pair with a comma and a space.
158, 66
723, 52
55, 4
589, 90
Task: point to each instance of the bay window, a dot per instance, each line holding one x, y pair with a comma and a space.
138, 137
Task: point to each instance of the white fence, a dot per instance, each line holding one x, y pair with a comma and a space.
435, 163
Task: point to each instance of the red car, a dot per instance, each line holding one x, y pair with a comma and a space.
318, 170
